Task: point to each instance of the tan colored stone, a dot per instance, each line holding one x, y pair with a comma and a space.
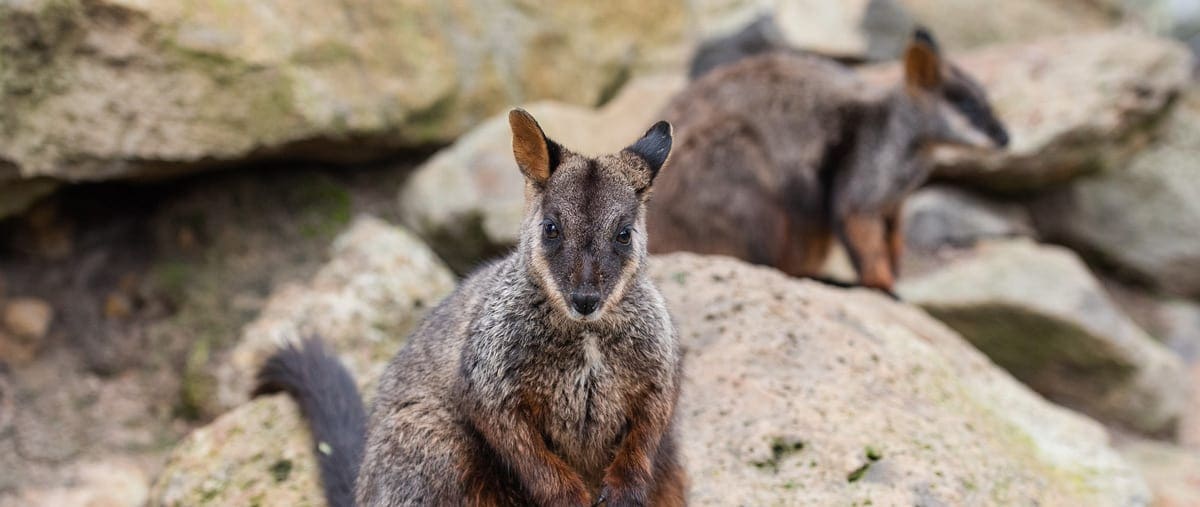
774, 364
794, 394
16, 351
258, 453
1189, 426
121, 88
963, 24
28, 318
113, 483
117, 306
379, 283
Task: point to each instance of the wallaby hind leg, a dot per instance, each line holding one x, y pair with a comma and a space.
895, 237
865, 238
805, 252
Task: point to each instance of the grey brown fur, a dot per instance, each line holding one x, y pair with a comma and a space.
549, 377
777, 153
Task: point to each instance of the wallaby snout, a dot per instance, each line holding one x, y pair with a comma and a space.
585, 302
585, 296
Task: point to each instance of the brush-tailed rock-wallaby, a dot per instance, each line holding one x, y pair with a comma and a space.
549, 377
777, 153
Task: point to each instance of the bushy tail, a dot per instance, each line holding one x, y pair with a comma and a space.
329, 400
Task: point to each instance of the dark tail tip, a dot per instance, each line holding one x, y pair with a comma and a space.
329, 399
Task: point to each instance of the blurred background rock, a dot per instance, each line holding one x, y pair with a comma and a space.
183, 183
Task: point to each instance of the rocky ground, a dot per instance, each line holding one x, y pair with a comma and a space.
185, 186
118, 308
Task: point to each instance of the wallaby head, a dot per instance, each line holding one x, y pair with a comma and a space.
953, 107
584, 226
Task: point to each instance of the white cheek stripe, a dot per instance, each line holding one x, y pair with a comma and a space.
549, 286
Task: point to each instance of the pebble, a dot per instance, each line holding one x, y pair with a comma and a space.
28, 318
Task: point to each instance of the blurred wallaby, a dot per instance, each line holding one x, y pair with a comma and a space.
548, 377
778, 152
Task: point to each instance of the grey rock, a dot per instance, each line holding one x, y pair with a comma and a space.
1038, 312
943, 216
794, 394
104, 89
378, 284
1143, 218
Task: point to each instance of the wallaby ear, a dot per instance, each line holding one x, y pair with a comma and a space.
536, 155
923, 61
654, 148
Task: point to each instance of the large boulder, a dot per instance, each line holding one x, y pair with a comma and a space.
119, 88
1142, 218
1069, 107
1189, 426
1173, 321
378, 285
1038, 312
794, 393
963, 24
467, 201
849, 29
940, 216
799, 393
257, 454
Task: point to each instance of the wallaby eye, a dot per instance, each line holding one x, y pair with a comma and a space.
625, 236
550, 230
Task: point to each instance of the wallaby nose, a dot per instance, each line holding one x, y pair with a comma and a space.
585, 302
